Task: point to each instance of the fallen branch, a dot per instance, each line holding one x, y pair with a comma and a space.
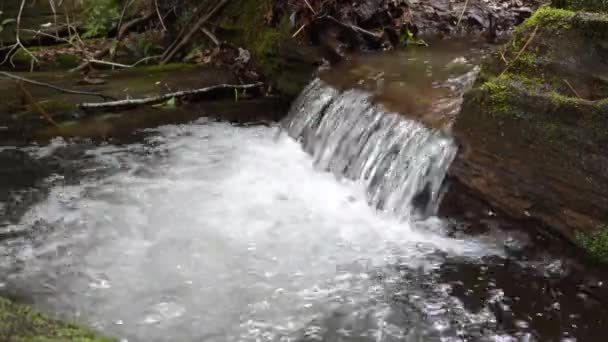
170, 53
120, 65
164, 97
48, 85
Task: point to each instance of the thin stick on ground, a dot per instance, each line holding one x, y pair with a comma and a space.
35, 104
164, 97
532, 35
48, 85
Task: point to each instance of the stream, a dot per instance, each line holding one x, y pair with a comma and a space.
323, 227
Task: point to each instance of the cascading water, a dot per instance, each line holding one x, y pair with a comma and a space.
216, 233
401, 163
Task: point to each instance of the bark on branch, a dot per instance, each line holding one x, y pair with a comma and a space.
164, 97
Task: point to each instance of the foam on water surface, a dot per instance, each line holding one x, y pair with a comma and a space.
219, 233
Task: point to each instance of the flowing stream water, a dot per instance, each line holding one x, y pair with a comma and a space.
322, 228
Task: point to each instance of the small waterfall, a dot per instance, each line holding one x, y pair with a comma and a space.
401, 163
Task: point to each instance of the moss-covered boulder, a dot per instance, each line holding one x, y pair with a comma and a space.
535, 128
21, 324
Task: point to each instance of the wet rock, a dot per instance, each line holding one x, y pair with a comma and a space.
534, 131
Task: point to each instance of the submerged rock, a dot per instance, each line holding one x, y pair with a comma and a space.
535, 128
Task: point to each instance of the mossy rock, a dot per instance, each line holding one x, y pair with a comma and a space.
585, 5
21, 324
534, 130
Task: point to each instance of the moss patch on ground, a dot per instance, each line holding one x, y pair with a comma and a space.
21, 324
596, 242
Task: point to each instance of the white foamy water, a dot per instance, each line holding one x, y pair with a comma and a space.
210, 232
401, 163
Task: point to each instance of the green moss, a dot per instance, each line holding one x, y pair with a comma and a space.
22, 58
21, 324
548, 18
496, 93
595, 242
559, 100
246, 18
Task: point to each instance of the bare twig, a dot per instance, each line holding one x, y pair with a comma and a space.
35, 104
312, 9
48, 85
572, 89
532, 35
464, 9
211, 36
503, 58
170, 53
18, 45
299, 30
164, 97
362, 31
160, 17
